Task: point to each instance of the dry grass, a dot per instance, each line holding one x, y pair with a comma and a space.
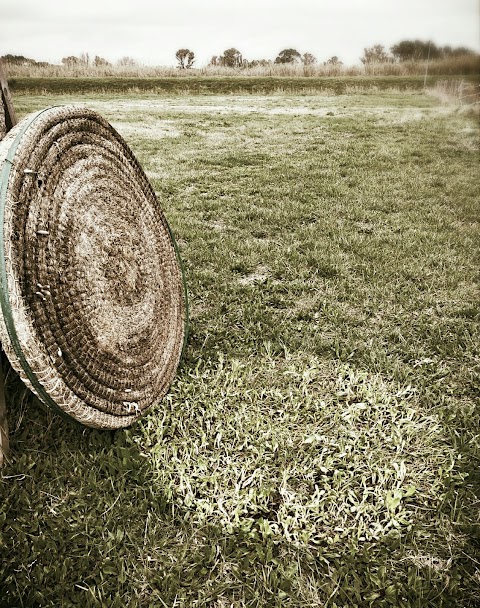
464, 95
454, 91
467, 64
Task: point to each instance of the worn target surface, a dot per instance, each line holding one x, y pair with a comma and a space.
92, 293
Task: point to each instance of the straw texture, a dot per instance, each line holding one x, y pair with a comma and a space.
93, 300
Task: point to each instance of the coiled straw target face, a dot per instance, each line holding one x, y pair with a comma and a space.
93, 300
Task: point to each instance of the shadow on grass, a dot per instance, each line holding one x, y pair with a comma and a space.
84, 523
77, 510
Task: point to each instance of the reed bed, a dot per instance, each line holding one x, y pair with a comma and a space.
466, 64
459, 92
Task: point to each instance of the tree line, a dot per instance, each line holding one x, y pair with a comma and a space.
403, 51
21, 60
412, 50
233, 58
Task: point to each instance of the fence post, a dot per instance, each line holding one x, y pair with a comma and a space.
7, 105
10, 120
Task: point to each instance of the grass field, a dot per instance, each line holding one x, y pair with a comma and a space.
320, 445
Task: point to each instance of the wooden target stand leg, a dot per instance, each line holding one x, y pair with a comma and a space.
7, 105
8, 111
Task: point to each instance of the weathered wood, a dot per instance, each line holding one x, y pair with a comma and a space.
7, 105
7, 121
4, 442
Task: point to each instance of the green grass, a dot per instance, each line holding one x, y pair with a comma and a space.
223, 85
319, 446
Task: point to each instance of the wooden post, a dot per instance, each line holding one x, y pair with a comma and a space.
426, 69
6, 107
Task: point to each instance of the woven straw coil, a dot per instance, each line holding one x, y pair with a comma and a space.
92, 293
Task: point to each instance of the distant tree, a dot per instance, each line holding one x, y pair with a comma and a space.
83, 59
308, 59
456, 51
231, 58
185, 58
18, 60
127, 61
375, 54
335, 61
288, 56
99, 61
71, 60
405, 50
259, 63
415, 50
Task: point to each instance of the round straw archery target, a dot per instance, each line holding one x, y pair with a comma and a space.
93, 300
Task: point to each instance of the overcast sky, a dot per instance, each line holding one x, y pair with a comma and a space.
151, 31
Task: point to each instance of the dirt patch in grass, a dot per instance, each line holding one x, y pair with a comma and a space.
260, 275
